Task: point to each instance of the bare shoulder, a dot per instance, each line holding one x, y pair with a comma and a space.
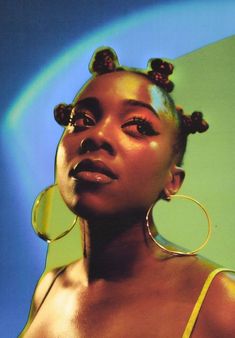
43, 286
214, 288
221, 303
217, 313
41, 290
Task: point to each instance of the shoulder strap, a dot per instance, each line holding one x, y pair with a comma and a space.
197, 307
49, 289
32, 315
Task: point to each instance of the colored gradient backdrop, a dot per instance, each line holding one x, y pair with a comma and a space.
44, 56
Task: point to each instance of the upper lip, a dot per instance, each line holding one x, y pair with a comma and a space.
94, 166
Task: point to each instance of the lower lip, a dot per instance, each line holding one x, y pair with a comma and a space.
94, 177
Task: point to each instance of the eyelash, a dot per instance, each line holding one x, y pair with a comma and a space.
79, 116
144, 127
140, 122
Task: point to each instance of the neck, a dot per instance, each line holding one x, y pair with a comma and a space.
114, 249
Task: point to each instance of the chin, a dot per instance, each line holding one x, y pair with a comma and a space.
96, 203
106, 212
92, 212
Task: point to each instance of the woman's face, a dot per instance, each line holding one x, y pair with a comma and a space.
116, 156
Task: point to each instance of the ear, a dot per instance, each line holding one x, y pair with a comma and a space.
177, 175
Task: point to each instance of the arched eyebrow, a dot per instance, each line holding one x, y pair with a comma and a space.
88, 102
94, 105
137, 103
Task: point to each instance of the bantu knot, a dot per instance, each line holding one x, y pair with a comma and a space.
159, 73
103, 61
193, 123
62, 113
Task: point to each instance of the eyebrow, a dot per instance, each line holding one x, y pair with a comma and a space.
136, 103
93, 103
88, 102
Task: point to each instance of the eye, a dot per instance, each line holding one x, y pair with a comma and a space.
139, 126
81, 120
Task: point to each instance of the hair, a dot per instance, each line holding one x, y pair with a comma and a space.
105, 60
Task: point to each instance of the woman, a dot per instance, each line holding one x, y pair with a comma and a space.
121, 152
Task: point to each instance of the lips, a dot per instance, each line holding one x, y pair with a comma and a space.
93, 171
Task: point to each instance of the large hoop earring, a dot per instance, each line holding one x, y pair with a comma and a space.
43, 215
149, 219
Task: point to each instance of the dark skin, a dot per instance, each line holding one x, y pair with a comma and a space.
125, 286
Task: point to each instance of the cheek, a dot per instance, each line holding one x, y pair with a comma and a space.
161, 163
153, 159
153, 145
149, 169
63, 161
63, 157
160, 157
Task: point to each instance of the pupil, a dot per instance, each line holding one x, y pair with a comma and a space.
141, 129
87, 121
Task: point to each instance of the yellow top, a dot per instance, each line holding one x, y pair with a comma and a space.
197, 307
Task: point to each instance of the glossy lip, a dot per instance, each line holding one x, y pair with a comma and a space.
94, 166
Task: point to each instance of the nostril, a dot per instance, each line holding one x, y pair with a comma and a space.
87, 145
90, 145
106, 146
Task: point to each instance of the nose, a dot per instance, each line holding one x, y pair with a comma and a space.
90, 145
98, 138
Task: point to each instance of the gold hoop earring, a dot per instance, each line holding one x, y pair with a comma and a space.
49, 214
178, 252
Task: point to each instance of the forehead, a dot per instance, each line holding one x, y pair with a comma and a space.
122, 85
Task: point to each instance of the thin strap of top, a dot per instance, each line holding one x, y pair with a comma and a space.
197, 307
49, 289
60, 270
